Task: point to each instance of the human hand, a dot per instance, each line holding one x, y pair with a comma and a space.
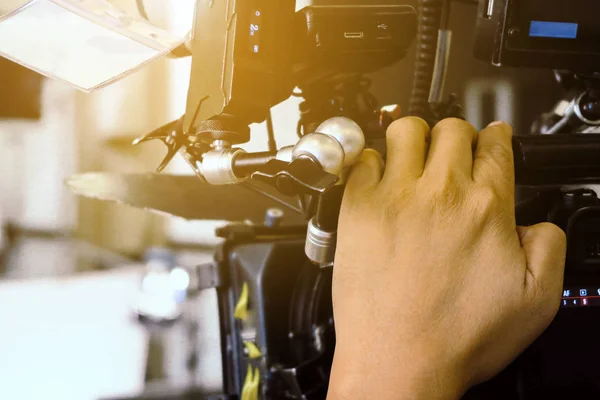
435, 288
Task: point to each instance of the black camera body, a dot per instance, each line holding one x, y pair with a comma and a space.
578, 214
248, 56
271, 296
289, 313
240, 63
337, 40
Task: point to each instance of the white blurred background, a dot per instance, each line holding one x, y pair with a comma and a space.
70, 266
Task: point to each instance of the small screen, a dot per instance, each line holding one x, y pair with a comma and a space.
557, 30
558, 26
580, 297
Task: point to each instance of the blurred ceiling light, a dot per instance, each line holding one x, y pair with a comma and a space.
85, 43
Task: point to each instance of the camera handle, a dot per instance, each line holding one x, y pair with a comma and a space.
315, 166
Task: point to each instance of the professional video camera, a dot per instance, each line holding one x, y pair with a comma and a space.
274, 279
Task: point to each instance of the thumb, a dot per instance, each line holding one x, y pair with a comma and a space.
545, 247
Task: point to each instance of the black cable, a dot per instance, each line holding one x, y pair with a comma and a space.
142, 9
430, 15
271, 132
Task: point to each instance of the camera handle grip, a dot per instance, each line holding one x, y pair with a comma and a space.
554, 160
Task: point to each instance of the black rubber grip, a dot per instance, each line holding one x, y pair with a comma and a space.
557, 159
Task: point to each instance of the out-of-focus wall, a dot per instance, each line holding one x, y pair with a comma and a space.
81, 132
107, 120
35, 156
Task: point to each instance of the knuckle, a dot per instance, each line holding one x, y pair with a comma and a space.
454, 124
502, 126
407, 123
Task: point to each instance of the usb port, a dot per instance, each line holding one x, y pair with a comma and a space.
354, 35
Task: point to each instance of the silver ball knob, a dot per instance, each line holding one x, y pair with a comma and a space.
324, 149
348, 134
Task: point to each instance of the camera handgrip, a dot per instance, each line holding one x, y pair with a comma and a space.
557, 159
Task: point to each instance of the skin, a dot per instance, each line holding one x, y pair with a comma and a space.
435, 287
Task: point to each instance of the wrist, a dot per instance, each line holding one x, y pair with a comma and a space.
367, 378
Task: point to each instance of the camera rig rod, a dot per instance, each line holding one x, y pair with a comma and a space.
315, 166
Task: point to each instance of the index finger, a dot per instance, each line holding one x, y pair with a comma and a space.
493, 163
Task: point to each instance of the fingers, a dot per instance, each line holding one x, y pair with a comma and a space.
366, 173
406, 148
493, 164
545, 246
451, 149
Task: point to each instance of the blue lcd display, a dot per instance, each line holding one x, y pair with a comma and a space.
556, 30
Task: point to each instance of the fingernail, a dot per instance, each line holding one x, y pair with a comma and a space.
496, 123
